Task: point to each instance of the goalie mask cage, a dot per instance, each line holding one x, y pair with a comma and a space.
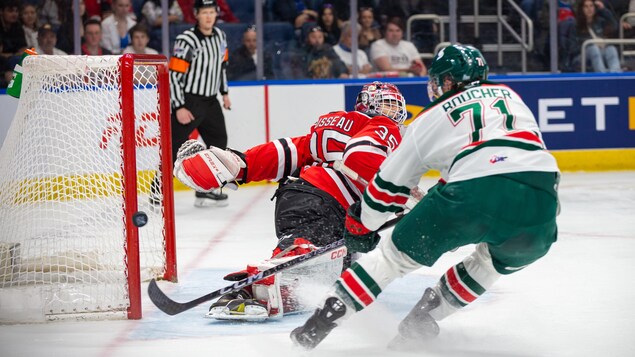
88, 147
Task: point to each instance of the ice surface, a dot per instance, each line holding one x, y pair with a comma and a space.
576, 301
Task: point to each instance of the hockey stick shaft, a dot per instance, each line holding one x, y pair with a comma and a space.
171, 307
341, 167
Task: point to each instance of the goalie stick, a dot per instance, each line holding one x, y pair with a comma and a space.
171, 307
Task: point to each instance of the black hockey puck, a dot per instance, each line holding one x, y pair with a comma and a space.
139, 219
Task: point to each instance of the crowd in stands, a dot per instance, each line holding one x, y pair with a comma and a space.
303, 38
592, 19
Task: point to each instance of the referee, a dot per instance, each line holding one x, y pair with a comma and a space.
197, 76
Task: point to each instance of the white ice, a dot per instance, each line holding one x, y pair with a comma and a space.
579, 300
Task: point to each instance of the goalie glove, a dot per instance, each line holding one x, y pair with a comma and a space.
358, 238
189, 148
207, 170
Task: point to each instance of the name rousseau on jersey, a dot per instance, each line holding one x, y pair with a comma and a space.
360, 141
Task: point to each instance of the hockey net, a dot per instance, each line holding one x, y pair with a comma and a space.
88, 147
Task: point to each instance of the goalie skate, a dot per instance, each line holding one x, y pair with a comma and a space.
238, 305
215, 198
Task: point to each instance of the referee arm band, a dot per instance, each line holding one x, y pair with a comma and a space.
178, 65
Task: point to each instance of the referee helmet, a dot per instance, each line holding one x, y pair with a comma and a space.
198, 4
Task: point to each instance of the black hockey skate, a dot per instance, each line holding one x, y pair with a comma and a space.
210, 199
155, 198
318, 326
155, 201
418, 326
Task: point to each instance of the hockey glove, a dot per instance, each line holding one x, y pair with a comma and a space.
358, 238
207, 170
189, 148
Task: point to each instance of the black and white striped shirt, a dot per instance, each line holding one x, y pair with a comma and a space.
198, 65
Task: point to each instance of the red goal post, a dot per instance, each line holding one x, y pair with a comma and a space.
88, 148
128, 63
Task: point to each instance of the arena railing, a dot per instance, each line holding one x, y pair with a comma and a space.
604, 41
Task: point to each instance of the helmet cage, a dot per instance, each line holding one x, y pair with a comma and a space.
379, 98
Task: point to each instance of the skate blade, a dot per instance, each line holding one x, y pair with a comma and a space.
400, 343
208, 202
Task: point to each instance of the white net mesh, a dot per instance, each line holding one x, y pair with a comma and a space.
62, 208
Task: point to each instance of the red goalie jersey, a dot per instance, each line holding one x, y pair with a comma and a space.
360, 141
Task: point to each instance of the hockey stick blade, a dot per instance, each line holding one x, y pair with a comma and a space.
171, 307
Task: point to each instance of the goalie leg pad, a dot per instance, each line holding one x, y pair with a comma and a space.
287, 292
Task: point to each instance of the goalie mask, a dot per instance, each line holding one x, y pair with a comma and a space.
455, 67
379, 98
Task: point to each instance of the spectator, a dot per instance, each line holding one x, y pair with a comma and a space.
187, 6
392, 53
343, 51
387, 9
328, 21
29, 24
50, 12
106, 9
93, 8
242, 62
226, 14
46, 42
617, 7
297, 12
66, 32
424, 34
92, 39
116, 26
568, 46
593, 20
6, 72
140, 37
532, 8
565, 11
629, 23
343, 7
11, 32
319, 61
152, 12
369, 32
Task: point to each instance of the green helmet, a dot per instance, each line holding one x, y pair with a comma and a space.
458, 64
481, 65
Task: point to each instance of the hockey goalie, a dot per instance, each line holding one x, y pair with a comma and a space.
312, 198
